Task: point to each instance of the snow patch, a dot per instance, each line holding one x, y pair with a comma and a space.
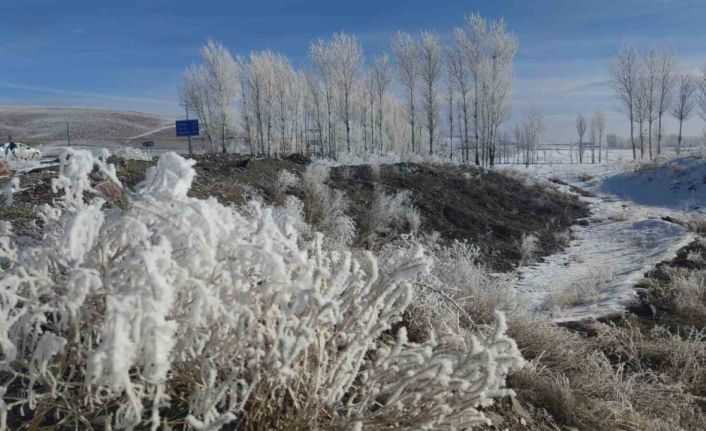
678, 184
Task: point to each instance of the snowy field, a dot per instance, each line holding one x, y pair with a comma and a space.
48, 126
625, 235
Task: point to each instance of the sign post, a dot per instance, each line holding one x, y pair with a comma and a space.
187, 128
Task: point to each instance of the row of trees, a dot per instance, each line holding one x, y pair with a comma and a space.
649, 85
340, 103
596, 132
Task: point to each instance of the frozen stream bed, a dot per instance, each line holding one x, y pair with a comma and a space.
600, 267
595, 276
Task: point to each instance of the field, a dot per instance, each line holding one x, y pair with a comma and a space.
46, 128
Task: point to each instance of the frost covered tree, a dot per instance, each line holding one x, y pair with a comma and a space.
382, 77
624, 73
594, 138
406, 52
211, 89
322, 58
262, 87
174, 312
665, 85
475, 48
501, 52
430, 72
315, 111
285, 110
529, 135
347, 61
650, 90
245, 102
459, 74
490, 50
581, 126
451, 100
367, 102
701, 99
683, 105
284, 80
599, 122
641, 109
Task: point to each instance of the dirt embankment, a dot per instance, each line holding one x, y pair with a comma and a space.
663, 301
485, 208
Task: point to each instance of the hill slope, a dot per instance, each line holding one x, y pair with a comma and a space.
47, 126
677, 184
488, 209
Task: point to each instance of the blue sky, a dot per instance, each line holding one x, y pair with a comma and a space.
129, 54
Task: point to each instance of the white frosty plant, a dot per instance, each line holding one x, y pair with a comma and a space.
178, 312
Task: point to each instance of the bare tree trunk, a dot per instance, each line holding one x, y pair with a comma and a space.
460, 138
348, 123
430, 119
451, 126
411, 106
475, 122
465, 128
649, 136
659, 135
223, 143
380, 123
372, 124
679, 138
632, 135
365, 130
580, 150
600, 147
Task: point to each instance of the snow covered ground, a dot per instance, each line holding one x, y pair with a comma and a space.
625, 236
24, 166
679, 184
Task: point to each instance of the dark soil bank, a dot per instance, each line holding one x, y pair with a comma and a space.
486, 208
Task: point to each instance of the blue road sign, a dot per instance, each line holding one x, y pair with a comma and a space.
187, 127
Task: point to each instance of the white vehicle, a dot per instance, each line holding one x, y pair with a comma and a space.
18, 151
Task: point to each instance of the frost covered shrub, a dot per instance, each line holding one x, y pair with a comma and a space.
457, 268
374, 169
527, 178
573, 377
587, 289
388, 214
285, 182
642, 165
528, 247
134, 153
619, 214
682, 358
695, 222
324, 206
688, 292
458, 296
696, 257
178, 312
9, 190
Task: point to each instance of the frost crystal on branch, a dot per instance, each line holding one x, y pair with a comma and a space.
182, 305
